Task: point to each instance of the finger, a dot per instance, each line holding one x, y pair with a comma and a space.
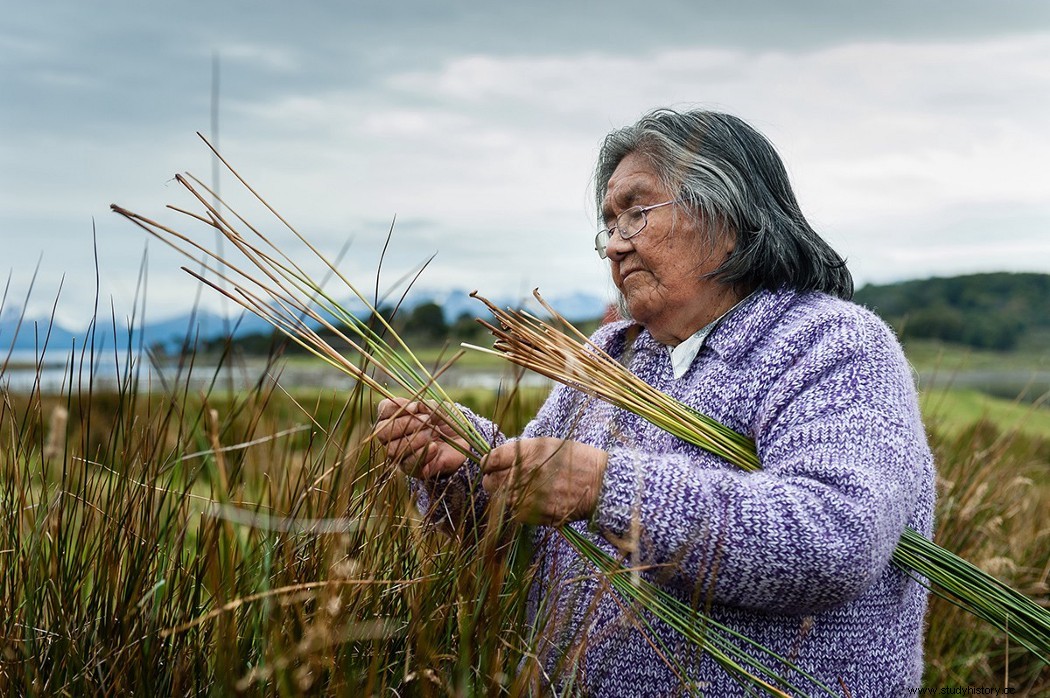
414, 464
503, 488
501, 458
389, 407
444, 458
495, 482
392, 408
398, 427
397, 450
417, 407
428, 454
439, 458
416, 441
385, 432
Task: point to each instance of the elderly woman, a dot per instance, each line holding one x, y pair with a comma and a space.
738, 308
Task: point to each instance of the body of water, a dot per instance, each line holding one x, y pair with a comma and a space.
56, 374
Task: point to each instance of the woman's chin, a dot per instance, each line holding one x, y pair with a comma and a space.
642, 314
641, 302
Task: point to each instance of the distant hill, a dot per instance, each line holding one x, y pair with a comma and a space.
1000, 311
28, 334
31, 334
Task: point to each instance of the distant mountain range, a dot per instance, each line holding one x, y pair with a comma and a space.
171, 333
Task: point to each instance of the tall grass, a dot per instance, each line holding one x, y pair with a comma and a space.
187, 543
193, 544
190, 543
269, 281
993, 495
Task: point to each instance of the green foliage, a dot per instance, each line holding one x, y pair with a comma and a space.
997, 311
950, 413
427, 321
423, 326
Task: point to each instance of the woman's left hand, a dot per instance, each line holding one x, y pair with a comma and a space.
546, 481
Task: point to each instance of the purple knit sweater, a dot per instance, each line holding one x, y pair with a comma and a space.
796, 556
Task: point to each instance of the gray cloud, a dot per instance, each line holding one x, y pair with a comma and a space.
477, 124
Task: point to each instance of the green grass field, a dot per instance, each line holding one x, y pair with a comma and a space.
951, 411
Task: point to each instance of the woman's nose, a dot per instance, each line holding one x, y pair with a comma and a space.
618, 247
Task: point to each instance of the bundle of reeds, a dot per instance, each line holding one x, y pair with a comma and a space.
564, 354
269, 283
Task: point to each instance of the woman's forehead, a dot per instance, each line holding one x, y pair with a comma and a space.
625, 193
633, 182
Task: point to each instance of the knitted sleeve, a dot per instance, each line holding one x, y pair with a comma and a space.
843, 454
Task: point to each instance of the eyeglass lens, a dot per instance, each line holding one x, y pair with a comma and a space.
628, 224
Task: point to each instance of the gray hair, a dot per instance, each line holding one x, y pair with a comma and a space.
730, 176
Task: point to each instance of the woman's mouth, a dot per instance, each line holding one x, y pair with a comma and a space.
629, 272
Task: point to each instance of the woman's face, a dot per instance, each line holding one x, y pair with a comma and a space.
662, 271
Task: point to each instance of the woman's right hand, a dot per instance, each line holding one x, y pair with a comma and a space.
416, 438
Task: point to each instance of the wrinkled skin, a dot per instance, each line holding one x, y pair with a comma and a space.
415, 437
664, 271
546, 481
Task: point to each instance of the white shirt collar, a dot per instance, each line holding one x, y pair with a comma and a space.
682, 355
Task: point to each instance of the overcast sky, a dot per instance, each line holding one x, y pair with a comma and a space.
916, 132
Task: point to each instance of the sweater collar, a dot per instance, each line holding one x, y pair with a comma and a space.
683, 355
740, 329
752, 320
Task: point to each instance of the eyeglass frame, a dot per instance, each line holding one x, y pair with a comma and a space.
608, 232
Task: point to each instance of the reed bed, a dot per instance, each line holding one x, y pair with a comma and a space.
993, 486
248, 543
136, 558
564, 354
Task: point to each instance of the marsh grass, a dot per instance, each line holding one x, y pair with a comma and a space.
178, 543
993, 495
181, 543
268, 279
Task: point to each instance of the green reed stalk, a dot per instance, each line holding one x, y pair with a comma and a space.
564, 354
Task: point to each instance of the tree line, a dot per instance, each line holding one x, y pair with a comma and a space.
423, 325
998, 311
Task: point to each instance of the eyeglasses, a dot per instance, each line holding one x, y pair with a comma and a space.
628, 224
